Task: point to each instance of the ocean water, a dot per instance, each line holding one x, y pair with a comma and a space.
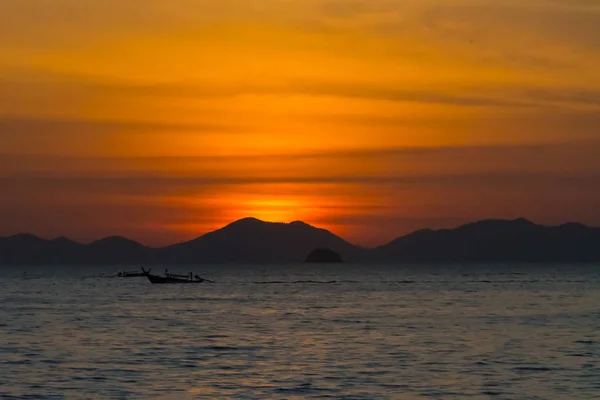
306, 332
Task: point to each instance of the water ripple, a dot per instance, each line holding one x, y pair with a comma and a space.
296, 332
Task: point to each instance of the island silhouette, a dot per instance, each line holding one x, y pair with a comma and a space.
324, 256
252, 241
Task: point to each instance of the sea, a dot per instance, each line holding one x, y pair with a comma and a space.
302, 332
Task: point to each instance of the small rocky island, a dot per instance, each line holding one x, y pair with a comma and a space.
324, 256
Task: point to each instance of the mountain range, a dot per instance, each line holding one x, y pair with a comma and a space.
251, 241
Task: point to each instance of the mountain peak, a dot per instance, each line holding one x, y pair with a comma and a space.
63, 240
523, 221
250, 240
499, 223
253, 222
574, 226
248, 221
115, 240
27, 237
300, 223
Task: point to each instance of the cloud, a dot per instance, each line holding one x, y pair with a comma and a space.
51, 126
492, 95
574, 156
158, 184
79, 88
37, 135
517, 164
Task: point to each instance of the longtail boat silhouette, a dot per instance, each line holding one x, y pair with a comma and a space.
175, 278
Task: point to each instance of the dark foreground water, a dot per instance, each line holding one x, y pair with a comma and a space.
487, 332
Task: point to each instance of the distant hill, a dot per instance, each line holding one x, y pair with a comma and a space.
119, 250
251, 241
496, 241
28, 249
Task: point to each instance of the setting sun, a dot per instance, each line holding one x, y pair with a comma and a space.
273, 210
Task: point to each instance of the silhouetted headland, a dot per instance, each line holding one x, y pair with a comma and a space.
251, 241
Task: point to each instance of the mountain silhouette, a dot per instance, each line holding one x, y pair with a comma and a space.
517, 240
251, 241
29, 249
119, 250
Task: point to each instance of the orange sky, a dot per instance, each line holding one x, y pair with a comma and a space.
161, 120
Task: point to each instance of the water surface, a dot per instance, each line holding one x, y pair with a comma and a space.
283, 332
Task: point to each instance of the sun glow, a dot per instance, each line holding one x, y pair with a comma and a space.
273, 208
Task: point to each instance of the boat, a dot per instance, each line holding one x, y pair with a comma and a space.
134, 274
174, 278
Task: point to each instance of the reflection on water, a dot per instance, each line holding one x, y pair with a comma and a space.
303, 332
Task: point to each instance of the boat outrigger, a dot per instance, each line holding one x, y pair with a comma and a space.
175, 278
134, 274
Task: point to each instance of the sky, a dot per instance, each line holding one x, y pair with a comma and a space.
162, 120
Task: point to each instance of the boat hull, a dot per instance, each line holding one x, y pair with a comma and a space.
137, 275
134, 274
170, 280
